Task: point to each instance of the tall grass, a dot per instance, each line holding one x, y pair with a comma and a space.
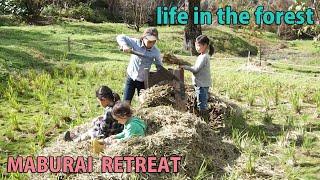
250, 163
288, 162
14, 123
266, 97
233, 175
276, 92
250, 96
239, 138
267, 117
10, 134
15, 176
41, 130
43, 98
308, 142
296, 100
290, 121
41, 137
232, 87
42, 85
12, 96
22, 85
202, 172
34, 148
56, 121
317, 101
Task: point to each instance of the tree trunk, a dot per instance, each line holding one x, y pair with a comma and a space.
316, 6
191, 31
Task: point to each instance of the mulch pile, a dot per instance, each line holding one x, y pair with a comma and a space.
170, 132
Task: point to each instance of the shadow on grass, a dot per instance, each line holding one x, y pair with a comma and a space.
226, 42
309, 165
307, 71
12, 36
23, 50
266, 132
21, 60
79, 58
89, 29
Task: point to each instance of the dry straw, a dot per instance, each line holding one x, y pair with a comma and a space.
170, 132
172, 59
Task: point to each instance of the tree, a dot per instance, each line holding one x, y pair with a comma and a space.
27, 9
192, 31
135, 13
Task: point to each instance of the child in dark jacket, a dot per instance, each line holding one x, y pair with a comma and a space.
102, 126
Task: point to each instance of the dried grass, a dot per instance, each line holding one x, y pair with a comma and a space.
172, 59
170, 132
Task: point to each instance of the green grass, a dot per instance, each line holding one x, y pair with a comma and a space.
46, 90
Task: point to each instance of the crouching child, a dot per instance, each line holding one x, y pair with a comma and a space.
133, 126
102, 126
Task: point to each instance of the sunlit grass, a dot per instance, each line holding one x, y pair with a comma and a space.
52, 89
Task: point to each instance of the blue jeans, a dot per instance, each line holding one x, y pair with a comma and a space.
202, 94
130, 88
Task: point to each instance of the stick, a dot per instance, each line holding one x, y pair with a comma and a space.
146, 78
69, 44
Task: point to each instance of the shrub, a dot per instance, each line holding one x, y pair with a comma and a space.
27, 9
83, 11
51, 10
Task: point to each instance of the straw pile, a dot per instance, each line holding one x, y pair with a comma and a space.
172, 59
164, 95
170, 132
157, 95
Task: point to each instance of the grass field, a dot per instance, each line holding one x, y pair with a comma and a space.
45, 90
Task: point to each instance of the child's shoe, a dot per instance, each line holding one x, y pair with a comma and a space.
68, 136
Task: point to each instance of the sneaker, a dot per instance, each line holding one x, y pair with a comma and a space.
204, 114
67, 136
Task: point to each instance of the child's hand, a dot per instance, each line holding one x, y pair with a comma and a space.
107, 141
112, 136
101, 141
114, 141
126, 49
96, 119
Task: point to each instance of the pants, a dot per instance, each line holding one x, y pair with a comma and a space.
202, 94
90, 134
130, 88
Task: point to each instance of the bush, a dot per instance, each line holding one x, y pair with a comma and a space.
51, 10
96, 11
9, 7
83, 11
27, 9
9, 20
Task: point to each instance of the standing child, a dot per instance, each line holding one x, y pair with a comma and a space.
201, 73
133, 126
103, 126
